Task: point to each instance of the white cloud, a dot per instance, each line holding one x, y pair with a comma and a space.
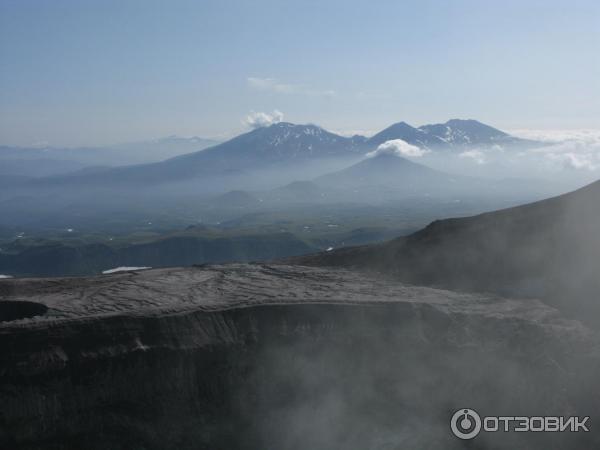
262, 119
475, 155
570, 149
576, 161
271, 84
276, 86
398, 147
587, 136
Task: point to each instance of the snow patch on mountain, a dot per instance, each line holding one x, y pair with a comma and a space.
123, 269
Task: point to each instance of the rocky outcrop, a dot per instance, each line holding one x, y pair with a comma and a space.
281, 357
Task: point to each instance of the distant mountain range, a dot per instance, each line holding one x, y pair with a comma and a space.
454, 134
49, 161
381, 178
286, 146
279, 146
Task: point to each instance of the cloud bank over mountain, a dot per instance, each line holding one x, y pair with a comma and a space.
569, 149
398, 147
263, 119
475, 155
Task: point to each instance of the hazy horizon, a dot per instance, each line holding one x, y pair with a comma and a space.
97, 73
541, 134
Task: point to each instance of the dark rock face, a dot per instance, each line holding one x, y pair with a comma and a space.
282, 357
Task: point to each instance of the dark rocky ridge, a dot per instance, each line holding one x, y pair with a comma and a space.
548, 249
282, 357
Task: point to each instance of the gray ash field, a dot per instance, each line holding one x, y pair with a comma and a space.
276, 356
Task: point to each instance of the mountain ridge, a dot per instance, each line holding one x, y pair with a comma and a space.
285, 144
455, 134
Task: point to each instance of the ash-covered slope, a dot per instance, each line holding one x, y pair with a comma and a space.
549, 249
283, 357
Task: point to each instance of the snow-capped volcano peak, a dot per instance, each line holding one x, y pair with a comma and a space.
300, 137
466, 133
455, 133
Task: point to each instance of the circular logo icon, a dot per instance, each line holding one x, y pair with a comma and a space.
465, 423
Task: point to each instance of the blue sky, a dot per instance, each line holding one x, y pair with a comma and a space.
95, 72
